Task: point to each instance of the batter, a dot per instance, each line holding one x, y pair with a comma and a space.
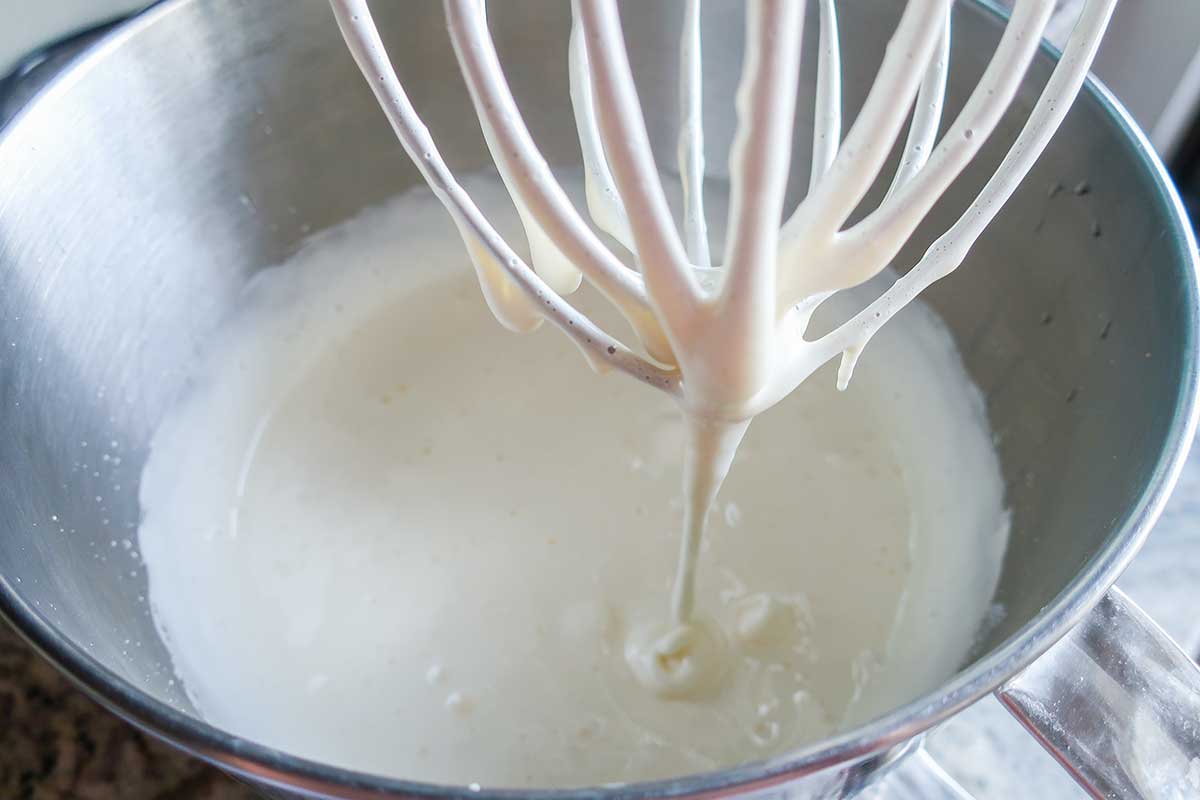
383, 533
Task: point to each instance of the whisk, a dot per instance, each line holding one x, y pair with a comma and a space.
729, 348
743, 345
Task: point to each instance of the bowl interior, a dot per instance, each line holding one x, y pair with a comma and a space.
207, 140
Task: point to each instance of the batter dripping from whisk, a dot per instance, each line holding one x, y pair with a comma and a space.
729, 353
387, 574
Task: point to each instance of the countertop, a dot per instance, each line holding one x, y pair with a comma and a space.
56, 744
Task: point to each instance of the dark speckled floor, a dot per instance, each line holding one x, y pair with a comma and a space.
56, 744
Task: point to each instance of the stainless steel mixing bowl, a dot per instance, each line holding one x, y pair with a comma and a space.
203, 141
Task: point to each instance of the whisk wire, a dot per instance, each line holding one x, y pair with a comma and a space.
827, 101
518, 296
927, 114
949, 251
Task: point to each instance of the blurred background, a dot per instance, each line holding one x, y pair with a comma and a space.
55, 743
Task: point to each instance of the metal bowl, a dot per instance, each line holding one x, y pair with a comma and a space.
202, 141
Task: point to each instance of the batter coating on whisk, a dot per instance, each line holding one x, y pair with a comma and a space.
728, 354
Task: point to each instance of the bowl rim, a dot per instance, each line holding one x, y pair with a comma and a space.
894, 730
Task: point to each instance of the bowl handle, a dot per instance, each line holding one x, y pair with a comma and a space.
1117, 703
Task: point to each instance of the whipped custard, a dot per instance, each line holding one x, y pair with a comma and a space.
383, 533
